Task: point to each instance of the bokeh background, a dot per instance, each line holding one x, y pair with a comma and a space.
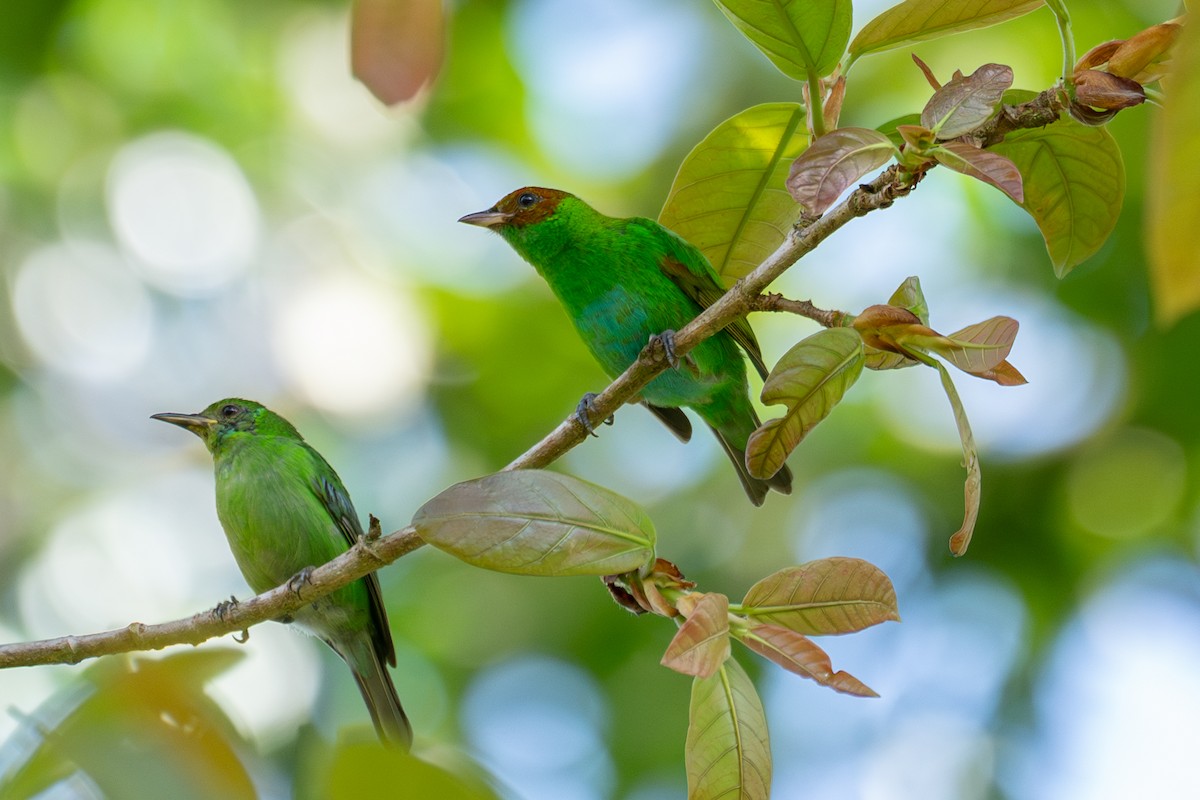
197, 201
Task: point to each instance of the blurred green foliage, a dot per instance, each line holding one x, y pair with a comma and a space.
104, 519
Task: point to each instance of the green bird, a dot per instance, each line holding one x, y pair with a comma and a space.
285, 510
624, 282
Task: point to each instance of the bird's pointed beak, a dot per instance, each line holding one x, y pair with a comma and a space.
196, 423
487, 219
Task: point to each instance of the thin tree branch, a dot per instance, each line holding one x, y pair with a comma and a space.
377, 551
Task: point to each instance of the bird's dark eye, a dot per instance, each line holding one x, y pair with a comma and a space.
230, 411
527, 199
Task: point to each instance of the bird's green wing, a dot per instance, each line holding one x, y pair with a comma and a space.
691, 272
328, 488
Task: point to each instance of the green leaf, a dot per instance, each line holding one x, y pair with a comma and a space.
728, 751
920, 20
1074, 182
799, 36
797, 653
831, 595
728, 198
810, 379
983, 165
701, 645
1172, 201
834, 163
366, 769
908, 295
966, 102
961, 539
532, 522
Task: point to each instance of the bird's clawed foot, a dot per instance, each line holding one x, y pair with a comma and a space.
224, 607
300, 579
667, 340
584, 411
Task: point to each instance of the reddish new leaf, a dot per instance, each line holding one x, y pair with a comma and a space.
797, 653
967, 102
834, 163
395, 46
975, 349
701, 644
1109, 92
983, 165
828, 596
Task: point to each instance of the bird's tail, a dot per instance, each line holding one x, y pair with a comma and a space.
756, 488
379, 693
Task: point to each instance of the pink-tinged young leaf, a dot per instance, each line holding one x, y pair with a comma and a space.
396, 46
728, 750
797, 653
1074, 183
828, 596
1004, 374
729, 198
983, 165
701, 645
833, 103
810, 380
1109, 92
1098, 55
533, 522
798, 36
965, 103
930, 78
834, 163
961, 539
920, 20
1172, 202
975, 349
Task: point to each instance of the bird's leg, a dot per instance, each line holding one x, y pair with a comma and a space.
667, 340
583, 413
224, 607
297, 581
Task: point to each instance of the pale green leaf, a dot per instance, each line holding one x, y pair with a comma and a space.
362, 769
828, 596
701, 644
728, 198
961, 539
533, 522
911, 298
966, 101
796, 653
920, 20
728, 750
799, 36
810, 380
1074, 183
1173, 204
834, 163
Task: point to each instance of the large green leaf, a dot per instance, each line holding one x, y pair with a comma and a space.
1173, 204
919, 20
533, 522
728, 754
828, 596
810, 379
728, 198
1074, 184
798, 36
362, 769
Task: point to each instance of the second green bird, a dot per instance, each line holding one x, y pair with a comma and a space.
623, 281
284, 509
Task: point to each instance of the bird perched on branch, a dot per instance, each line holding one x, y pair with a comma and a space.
624, 282
285, 510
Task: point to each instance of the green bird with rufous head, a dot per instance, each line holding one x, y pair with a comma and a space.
285, 510
624, 281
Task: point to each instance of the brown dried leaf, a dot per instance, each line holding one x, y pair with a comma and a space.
395, 46
701, 645
797, 653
